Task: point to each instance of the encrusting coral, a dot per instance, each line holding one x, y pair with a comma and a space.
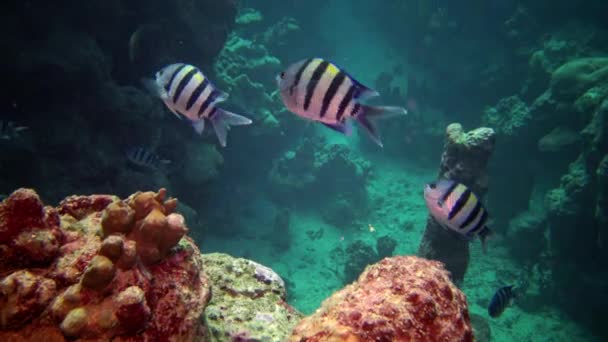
99, 268
397, 299
112, 269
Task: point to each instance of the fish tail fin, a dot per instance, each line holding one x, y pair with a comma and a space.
369, 114
483, 236
223, 119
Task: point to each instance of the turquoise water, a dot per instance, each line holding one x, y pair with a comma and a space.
307, 201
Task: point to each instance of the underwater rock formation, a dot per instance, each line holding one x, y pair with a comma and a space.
464, 159
397, 299
89, 87
303, 172
97, 267
358, 255
248, 302
245, 67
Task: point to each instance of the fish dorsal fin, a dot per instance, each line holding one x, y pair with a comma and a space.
364, 92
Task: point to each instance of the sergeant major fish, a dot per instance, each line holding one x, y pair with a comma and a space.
9, 130
187, 92
456, 208
501, 300
318, 90
146, 158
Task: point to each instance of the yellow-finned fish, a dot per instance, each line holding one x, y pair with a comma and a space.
319, 90
187, 92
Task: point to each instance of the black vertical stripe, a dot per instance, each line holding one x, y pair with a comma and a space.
480, 224
501, 298
355, 110
460, 202
196, 93
472, 215
299, 75
149, 158
213, 112
214, 93
331, 91
312, 83
448, 192
168, 85
183, 83
345, 101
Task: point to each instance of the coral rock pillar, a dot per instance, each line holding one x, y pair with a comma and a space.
464, 159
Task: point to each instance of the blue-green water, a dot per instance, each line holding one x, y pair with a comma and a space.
294, 195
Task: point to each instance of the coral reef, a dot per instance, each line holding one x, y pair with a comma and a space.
464, 159
97, 267
385, 246
397, 299
90, 88
248, 302
303, 172
358, 256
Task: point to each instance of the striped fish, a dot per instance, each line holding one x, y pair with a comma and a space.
187, 92
456, 208
319, 90
146, 158
500, 301
10, 130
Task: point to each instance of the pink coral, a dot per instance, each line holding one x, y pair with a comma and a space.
29, 232
397, 299
105, 269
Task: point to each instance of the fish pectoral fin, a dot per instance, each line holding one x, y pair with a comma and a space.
175, 112
342, 127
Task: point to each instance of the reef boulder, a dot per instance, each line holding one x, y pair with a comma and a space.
248, 301
397, 299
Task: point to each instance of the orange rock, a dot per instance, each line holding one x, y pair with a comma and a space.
23, 296
129, 255
93, 289
117, 218
170, 205
397, 299
143, 203
112, 247
99, 273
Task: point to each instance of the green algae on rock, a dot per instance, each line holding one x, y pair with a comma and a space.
248, 301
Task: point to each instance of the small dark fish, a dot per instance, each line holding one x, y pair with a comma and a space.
146, 158
9, 130
501, 299
318, 90
188, 93
456, 208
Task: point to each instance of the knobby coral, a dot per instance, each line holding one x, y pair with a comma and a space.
97, 267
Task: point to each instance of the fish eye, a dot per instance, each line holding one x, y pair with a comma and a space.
282, 74
432, 185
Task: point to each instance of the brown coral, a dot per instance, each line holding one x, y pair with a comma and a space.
106, 269
397, 299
